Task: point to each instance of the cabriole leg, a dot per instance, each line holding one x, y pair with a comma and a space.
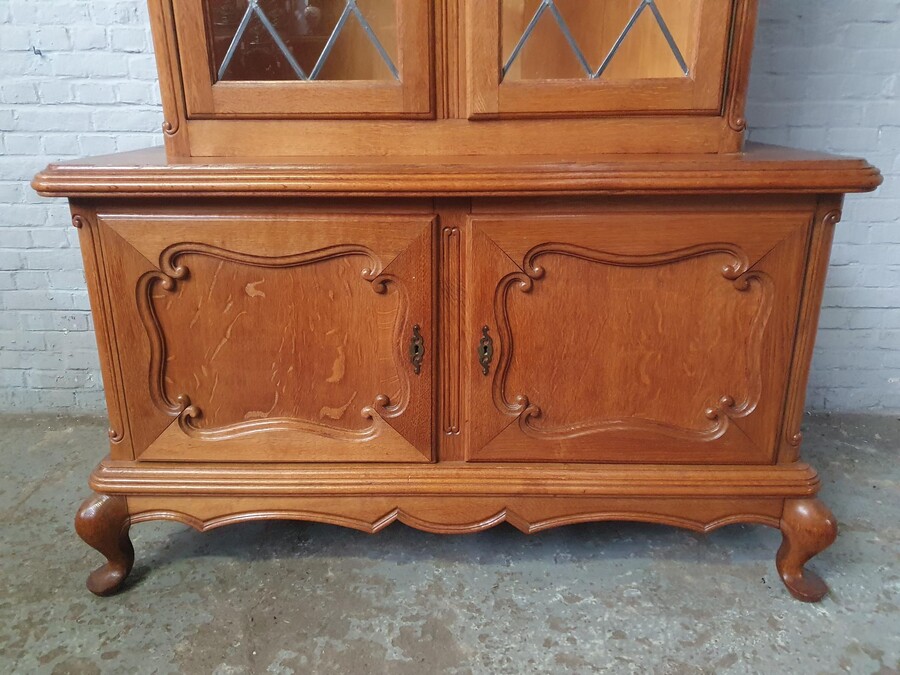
808, 528
102, 522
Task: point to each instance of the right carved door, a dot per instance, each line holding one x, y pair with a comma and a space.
661, 335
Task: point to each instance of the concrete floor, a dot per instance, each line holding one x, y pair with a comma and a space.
306, 598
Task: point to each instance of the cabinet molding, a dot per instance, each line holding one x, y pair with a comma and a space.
762, 170
725, 406
172, 273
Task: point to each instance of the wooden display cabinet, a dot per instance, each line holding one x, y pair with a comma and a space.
454, 264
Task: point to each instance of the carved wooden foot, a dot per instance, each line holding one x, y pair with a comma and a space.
808, 528
102, 522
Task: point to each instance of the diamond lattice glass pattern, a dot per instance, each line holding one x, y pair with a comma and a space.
303, 39
597, 39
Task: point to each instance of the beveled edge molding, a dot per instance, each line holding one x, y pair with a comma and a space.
702, 174
347, 479
377, 523
171, 272
720, 413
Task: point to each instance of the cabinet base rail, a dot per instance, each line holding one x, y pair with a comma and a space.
458, 499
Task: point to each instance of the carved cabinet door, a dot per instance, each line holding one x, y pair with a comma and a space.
659, 336
254, 336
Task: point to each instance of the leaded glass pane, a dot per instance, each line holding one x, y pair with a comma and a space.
597, 39
303, 39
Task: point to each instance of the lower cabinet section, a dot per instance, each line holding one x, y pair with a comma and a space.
616, 330
457, 363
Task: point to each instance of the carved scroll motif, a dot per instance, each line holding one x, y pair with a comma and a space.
721, 411
172, 272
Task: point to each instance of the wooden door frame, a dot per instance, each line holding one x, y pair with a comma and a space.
700, 94
410, 98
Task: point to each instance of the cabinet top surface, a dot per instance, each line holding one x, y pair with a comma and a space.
760, 169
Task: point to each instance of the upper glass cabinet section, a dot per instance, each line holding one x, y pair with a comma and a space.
582, 57
305, 58
303, 39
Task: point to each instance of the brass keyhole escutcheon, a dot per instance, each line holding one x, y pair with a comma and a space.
485, 350
417, 349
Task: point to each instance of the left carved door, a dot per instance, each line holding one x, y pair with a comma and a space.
270, 336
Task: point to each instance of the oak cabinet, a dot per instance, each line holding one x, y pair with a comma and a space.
455, 263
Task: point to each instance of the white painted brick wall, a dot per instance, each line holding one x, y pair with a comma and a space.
826, 76
77, 77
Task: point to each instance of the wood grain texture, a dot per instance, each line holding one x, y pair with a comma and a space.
762, 170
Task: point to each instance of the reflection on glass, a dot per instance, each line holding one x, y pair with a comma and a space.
303, 39
597, 39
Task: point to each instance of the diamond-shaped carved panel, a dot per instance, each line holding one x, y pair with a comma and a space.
266, 40
597, 39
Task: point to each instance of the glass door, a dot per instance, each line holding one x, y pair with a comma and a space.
305, 58
546, 57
